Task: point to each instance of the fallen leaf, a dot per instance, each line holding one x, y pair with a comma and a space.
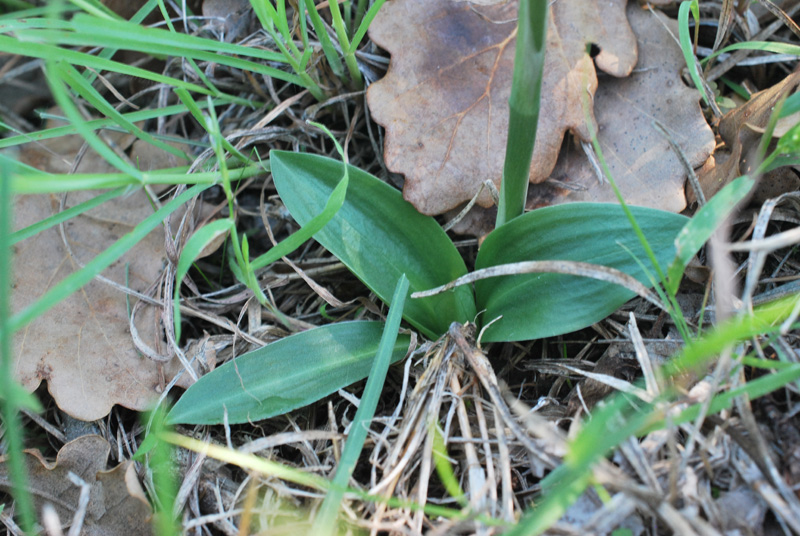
229, 17
741, 129
117, 504
82, 347
444, 100
640, 159
644, 166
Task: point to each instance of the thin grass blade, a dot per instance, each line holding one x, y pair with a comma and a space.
191, 250
325, 523
11, 403
702, 225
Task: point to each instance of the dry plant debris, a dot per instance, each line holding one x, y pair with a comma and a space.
444, 102
741, 129
107, 502
82, 347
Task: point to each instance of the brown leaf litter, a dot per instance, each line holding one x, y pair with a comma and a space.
444, 101
107, 502
82, 347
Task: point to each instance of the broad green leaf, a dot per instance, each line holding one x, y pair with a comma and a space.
285, 375
378, 236
702, 226
542, 305
790, 106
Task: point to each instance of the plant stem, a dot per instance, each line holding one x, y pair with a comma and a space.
526, 88
340, 26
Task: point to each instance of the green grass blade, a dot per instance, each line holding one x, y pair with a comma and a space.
191, 250
766, 319
196, 112
95, 8
53, 73
97, 124
165, 485
339, 26
325, 523
310, 228
331, 54
619, 419
10, 404
73, 57
702, 225
159, 44
85, 30
284, 375
686, 46
76, 280
83, 88
764, 46
753, 389
47, 183
378, 236
366, 20
526, 86
64, 215
109, 52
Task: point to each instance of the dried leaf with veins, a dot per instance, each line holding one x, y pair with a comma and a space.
444, 101
117, 504
741, 129
644, 166
82, 347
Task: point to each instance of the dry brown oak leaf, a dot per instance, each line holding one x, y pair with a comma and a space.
444, 101
117, 504
82, 347
646, 168
644, 165
742, 129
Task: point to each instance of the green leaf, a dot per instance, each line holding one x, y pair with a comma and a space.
686, 45
191, 250
542, 305
325, 523
702, 226
285, 375
790, 106
378, 236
